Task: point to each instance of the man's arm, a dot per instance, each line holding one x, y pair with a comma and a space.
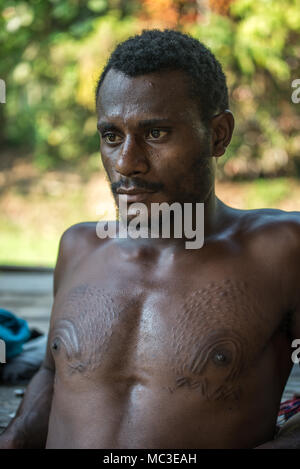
289, 435
29, 428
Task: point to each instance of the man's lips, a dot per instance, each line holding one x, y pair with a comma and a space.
133, 191
134, 194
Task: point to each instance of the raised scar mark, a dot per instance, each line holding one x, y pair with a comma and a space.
208, 335
88, 326
65, 332
229, 349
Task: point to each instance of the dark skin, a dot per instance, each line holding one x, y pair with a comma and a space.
152, 345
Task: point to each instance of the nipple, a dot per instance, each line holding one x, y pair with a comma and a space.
54, 345
221, 357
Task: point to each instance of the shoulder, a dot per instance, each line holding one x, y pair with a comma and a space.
265, 248
76, 242
271, 221
80, 234
271, 231
260, 223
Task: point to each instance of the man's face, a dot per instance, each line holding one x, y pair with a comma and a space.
154, 145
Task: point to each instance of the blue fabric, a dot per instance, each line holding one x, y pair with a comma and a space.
14, 331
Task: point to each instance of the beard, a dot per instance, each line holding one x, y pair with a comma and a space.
199, 181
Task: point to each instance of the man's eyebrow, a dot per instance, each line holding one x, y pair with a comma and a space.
106, 126
153, 122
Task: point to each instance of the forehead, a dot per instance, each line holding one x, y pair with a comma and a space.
163, 93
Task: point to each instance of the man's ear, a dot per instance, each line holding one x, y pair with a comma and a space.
222, 126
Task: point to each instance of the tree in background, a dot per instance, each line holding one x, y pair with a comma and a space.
52, 51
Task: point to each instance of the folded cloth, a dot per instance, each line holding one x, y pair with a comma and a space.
24, 366
288, 409
14, 331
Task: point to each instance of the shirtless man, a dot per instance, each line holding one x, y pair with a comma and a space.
152, 345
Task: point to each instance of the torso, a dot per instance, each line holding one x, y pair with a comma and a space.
160, 350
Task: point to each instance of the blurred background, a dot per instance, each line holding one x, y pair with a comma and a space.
51, 54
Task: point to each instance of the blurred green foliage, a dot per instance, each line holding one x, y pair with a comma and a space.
52, 51
267, 194
50, 55
259, 48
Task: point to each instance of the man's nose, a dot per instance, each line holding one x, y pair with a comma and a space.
131, 160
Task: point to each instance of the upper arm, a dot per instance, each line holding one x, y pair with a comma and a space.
66, 250
294, 279
67, 247
58, 271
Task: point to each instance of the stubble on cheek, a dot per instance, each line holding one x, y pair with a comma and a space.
194, 185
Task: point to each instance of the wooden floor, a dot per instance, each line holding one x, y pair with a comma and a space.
29, 295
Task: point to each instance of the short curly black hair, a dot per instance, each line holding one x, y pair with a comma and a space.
155, 50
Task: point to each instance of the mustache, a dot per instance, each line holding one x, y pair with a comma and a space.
135, 183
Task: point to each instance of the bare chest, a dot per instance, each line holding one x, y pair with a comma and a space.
181, 337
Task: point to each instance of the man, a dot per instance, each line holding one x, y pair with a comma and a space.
152, 345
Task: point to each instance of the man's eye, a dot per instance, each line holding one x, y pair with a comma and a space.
110, 137
156, 134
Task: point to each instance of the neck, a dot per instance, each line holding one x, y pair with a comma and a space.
203, 222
